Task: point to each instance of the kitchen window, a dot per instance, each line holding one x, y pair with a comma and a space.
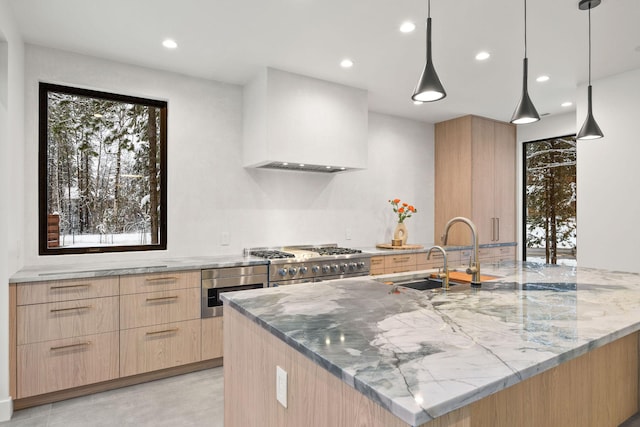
550, 193
102, 172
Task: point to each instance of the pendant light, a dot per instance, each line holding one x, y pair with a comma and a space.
525, 111
429, 87
590, 129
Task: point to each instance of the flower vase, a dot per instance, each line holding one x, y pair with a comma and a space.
400, 233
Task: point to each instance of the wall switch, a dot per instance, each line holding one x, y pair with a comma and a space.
347, 234
224, 238
281, 386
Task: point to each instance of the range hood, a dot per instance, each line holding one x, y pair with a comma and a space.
300, 123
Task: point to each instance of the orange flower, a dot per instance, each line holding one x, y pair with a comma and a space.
404, 211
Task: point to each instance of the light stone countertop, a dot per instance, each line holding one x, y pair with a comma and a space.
423, 354
116, 268
379, 251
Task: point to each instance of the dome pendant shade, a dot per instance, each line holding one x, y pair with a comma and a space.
590, 129
429, 87
525, 111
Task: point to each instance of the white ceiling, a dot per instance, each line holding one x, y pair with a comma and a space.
230, 40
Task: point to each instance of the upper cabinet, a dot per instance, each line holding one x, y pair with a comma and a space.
299, 120
475, 177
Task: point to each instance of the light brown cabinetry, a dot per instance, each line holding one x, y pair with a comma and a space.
212, 343
159, 347
475, 178
66, 334
61, 364
159, 321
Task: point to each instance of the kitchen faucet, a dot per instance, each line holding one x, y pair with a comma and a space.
445, 274
474, 267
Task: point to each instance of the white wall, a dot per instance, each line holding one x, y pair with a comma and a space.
209, 192
547, 127
609, 175
11, 172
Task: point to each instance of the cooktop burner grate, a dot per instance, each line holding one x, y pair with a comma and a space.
335, 251
272, 254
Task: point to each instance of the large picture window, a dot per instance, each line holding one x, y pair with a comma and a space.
102, 172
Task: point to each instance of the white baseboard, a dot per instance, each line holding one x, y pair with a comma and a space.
6, 409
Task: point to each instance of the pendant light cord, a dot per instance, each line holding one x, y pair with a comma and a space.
429, 9
525, 28
589, 46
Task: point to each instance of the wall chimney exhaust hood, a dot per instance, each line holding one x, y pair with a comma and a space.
295, 122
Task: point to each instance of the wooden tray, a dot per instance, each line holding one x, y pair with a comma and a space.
390, 246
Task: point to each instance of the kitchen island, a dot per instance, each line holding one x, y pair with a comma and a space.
538, 346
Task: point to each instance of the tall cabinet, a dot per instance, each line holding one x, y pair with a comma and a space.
475, 177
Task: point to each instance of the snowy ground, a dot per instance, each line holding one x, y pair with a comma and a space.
84, 240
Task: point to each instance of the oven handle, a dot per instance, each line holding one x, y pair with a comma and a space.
228, 282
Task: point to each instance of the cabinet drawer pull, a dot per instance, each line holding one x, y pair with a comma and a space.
164, 331
401, 259
83, 285
84, 307
62, 347
162, 298
161, 279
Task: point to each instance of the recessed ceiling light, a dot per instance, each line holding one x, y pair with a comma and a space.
566, 104
169, 44
343, 169
328, 167
407, 27
542, 78
301, 165
481, 56
346, 63
285, 164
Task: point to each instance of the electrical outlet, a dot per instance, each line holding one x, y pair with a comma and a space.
347, 234
281, 386
224, 238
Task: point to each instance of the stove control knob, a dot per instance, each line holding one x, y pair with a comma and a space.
344, 267
360, 265
303, 270
352, 266
293, 271
325, 269
315, 269
282, 271
334, 268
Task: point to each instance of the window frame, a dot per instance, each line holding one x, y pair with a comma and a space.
162, 106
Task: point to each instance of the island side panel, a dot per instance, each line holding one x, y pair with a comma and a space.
597, 389
316, 398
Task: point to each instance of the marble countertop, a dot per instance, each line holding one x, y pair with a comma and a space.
422, 354
115, 268
379, 251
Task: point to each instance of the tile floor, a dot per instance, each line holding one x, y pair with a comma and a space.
194, 399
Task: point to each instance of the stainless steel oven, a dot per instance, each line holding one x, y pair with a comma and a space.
216, 281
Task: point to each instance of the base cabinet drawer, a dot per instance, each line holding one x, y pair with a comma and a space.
155, 282
399, 263
212, 338
159, 347
56, 365
66, 290
153, 308
377, 265
46, 322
